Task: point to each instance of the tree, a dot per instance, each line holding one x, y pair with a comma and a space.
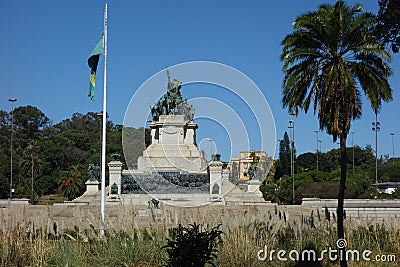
136, 140
73, 141
388, 25
306, 162
70, 183
29, 121
5, 133
30, 165
329, 56
283, 165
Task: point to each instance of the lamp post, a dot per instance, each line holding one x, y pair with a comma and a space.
352, 144
316, 132
291, 127
12, 100
32, 175
392, 134
376, 128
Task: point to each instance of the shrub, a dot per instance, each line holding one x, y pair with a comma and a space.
192, 247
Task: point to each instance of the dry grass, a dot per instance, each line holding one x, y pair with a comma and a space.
69, 236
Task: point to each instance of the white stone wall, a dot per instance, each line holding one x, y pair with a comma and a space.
378, 209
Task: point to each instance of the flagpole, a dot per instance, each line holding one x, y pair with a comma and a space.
103, 148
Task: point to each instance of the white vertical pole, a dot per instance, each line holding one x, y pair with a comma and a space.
103, 148
293, 162
12, 100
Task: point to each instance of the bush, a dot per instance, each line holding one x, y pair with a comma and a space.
323, 190
193, 247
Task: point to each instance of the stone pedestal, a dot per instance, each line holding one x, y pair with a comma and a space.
115, 170
173, 147
254, 187
92, 186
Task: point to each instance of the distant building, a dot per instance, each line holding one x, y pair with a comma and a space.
239, 167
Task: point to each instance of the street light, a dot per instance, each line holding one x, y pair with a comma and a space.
352, 144
316, 132
12, 100
376, 128
392, 134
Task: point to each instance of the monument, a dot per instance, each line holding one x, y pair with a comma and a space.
173, 136
172, 163
172, 169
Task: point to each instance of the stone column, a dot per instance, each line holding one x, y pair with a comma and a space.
215, 168
115, 171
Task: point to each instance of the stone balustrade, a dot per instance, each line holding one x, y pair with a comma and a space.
360, 208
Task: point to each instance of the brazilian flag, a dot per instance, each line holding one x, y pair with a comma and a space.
93, 61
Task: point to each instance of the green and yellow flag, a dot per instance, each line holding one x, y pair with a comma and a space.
93, 61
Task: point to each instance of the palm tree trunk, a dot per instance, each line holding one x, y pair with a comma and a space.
342, 187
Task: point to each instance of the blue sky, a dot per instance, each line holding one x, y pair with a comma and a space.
45, 45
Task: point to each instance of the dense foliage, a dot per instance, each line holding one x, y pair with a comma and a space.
55, 156
192, 246
388, 26
324, 183
283, 163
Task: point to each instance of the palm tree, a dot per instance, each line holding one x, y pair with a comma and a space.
329, 59
70, 183
30, 164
